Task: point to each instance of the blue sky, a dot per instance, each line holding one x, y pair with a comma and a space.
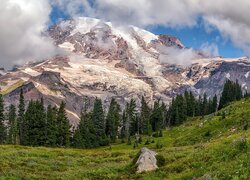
196, 36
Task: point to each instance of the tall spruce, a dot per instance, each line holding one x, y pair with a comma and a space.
231, 92
113, 120
99, 122
51, 126
156, 117
12, 125
145, 127
21, 125
131, 119
2, 124
35, 118
63, 135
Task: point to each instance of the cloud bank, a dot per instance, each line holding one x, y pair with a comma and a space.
22, 24
23, 21
230, 18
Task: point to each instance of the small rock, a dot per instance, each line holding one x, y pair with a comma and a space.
146, 161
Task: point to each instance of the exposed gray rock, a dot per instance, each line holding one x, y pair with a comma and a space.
146, 161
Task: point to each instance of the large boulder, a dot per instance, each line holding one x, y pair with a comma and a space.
146, 161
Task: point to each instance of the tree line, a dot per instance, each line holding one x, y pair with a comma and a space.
186, 105
36, 125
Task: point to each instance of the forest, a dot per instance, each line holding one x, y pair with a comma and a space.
36, 125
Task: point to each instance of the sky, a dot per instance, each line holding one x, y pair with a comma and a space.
220, 27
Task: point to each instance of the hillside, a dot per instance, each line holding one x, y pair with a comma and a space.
215, 146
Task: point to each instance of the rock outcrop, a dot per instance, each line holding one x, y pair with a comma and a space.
146, 161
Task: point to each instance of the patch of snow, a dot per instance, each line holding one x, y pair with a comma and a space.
67, 46
31, 72
247, 74
85, 24
146, 35
227, 75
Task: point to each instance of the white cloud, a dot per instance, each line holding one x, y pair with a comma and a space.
210, 49
231, 18
22, 24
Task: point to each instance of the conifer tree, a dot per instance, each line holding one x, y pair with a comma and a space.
214, 109
156, 117
2, 125
145, 127
63, 135
35, 119
51, 126
132, 121
85, 136
12, 123
21, 125
99, 122
231, 92
113, 120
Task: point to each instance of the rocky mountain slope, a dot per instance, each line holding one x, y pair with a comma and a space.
106, 60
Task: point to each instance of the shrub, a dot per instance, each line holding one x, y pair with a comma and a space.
155, 134
159, 145
160, 134
241, 144
161, 161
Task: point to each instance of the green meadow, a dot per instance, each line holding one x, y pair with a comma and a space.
216, 146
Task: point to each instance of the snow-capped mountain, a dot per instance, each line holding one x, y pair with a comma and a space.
106, 60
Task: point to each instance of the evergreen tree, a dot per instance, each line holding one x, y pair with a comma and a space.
132, 120
204, 105
2, 125
12, 123
51, 126
99, 122
145, 125
156, 117
35, 118
113, 120
85, 136
214, 103
21, 125
63, 135
231, 92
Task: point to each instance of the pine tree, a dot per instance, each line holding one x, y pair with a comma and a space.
2, 125
204, 105
231, 92
113, 120
12, 123
145, 126
51, 126
35, 119
132, 121
21, 125
156, 117
63, 135
99, 122
214, 109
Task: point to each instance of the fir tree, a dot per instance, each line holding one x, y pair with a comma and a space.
131, 121
113, 120
22, 127
145, 127
156, 117
51, 126
35, 118
63, 135
214, 106
99, 122
2, 125
12, 123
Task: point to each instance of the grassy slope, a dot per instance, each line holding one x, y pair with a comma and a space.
202, 147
